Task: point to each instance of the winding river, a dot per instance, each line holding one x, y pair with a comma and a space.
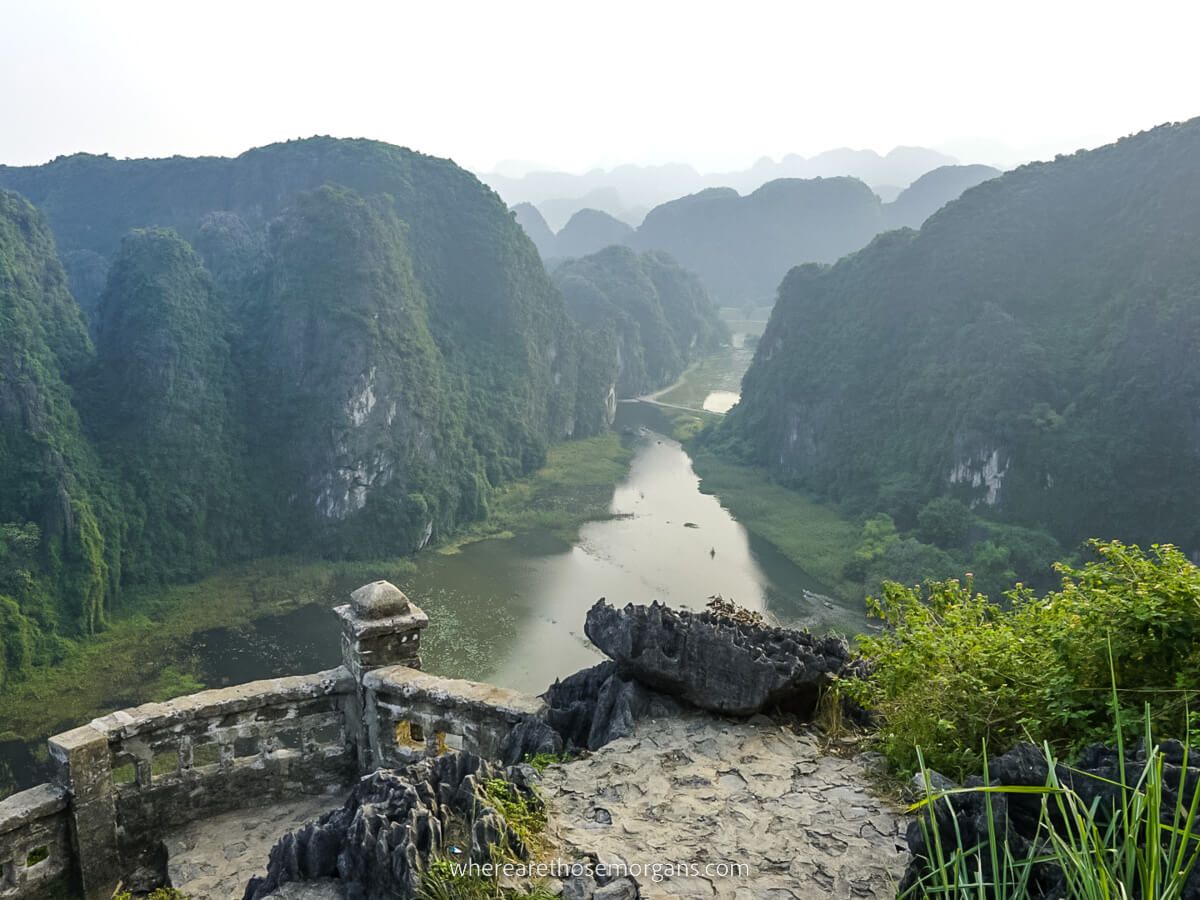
511, 611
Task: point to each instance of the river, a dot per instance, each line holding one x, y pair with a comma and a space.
511, 611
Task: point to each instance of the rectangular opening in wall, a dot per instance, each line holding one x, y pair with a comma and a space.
165, 762
245, 747
124, 773
326, 735
204, 755
410, 735
448, 740
37, 855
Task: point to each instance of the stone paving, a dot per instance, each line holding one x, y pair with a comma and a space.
214, 858
704, 794
695, 793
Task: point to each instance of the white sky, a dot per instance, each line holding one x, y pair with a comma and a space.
572, 84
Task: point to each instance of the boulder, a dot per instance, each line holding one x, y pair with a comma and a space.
716, 662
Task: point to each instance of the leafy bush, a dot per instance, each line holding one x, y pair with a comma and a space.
945, 522
955, 670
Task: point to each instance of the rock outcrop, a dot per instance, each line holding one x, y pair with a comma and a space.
596, 706
380, 842
963, 818
714, 662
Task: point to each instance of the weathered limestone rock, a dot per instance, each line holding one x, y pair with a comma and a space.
596, 706
379, 843
716, 663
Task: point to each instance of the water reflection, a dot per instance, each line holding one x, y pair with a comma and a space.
512, 611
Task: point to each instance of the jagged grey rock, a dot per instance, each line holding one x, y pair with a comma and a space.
716, 663
596, 706
379, 843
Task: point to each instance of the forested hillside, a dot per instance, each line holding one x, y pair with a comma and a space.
650, 315
741, 246
1030, 352
334, 347
588, 231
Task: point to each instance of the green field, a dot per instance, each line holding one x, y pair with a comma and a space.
812, 535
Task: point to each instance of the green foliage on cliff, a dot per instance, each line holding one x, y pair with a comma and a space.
648, 312
1030, 352
955, 669
58, 542
159, 400
325, 347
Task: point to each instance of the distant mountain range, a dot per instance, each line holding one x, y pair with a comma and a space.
627, 192
741, 246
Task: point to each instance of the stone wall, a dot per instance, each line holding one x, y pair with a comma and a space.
125, 780
208, 753
410, 714
35, 841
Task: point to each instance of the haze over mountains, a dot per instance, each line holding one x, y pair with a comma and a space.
628, 192
741, 246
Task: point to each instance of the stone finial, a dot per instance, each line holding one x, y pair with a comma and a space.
380, 627
378, 600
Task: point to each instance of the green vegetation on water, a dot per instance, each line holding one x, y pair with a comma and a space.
815, 536
572, 488
135, 659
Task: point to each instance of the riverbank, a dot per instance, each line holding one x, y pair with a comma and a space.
573, 487
814, 536
142, 655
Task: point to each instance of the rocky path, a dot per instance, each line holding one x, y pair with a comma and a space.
727, 809
214, 858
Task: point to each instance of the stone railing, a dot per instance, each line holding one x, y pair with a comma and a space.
124, 781
410, 714
35, 840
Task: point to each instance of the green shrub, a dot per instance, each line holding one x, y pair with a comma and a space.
955, 670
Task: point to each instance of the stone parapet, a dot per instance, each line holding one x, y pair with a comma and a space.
35, 840
127, 778
410, 714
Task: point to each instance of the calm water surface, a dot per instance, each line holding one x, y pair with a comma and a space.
512, 611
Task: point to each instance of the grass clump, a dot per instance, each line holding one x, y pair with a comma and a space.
955, 671
524, 812
542, 761
449, 880
1139, 837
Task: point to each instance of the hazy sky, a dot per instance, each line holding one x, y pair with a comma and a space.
572, 84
